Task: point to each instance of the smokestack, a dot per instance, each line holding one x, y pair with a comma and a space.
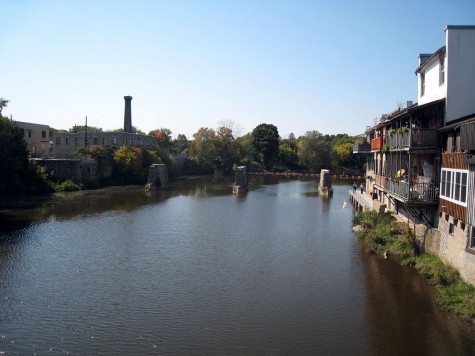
128, 114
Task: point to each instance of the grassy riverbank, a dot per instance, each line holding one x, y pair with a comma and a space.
384, 235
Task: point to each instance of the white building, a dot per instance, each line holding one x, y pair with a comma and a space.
449, 74
421, 159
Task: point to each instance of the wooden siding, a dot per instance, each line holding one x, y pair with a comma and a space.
453, 160
455, 210
467, 136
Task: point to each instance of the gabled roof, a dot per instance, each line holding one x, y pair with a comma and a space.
440, 51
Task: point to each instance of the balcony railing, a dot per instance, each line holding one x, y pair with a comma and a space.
376, 143
423, 192
416, 138
364, 147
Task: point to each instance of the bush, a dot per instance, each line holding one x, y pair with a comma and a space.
67, 186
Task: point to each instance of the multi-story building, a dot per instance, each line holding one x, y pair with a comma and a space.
36, 137
66, 143
420, 158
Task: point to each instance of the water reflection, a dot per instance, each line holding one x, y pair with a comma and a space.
422, 328
195, 269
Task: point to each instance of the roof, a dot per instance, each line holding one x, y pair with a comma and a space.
440, 51
465, 120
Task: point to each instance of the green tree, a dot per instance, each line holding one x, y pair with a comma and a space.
265, 141
19, 176
203, 150
129, 165
82, 128
288, 156
3, 103
314, 151
246, 151
135, 130
180, 143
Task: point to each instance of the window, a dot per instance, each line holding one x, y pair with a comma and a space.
451, 229
453, 185
114, 140
29, 134
472, 236
441, 71
104, 141
58, 140
76, 141
423, 84
95, 140
43, 134
66, 139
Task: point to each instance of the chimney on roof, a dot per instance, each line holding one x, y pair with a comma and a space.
409, 103
128, 114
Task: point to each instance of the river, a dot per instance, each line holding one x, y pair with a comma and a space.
194, 269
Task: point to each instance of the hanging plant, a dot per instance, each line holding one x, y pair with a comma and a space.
390, 132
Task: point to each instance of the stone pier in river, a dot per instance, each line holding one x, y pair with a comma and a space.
240, 181
157, 176
325, 186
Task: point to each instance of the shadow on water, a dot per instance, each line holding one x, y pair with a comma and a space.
400, 302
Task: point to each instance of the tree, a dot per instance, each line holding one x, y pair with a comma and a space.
82, 128
265, 141
180, 143
227, 148
128, 165
19, 176
204, 151
288, 157
3, 103
163, 135
134, 130
314, 151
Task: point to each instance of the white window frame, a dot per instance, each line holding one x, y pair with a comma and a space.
452, 187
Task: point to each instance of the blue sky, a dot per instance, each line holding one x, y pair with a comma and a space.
301, 65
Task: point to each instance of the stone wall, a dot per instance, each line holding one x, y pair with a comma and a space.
81, 171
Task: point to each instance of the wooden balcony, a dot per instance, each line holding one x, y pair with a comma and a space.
376, 143
408, 192
415, 138
364, 147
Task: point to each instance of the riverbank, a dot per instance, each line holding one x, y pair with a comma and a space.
386, 236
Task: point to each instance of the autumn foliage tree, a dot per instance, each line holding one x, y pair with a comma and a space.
128, 165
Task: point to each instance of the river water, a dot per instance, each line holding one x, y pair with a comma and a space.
194, 269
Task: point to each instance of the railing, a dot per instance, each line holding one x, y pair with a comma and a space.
364, 147
416, 138
425, 192
376, 143
360, 200
398, 140
380, 180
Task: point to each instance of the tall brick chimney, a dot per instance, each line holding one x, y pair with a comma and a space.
128, 114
